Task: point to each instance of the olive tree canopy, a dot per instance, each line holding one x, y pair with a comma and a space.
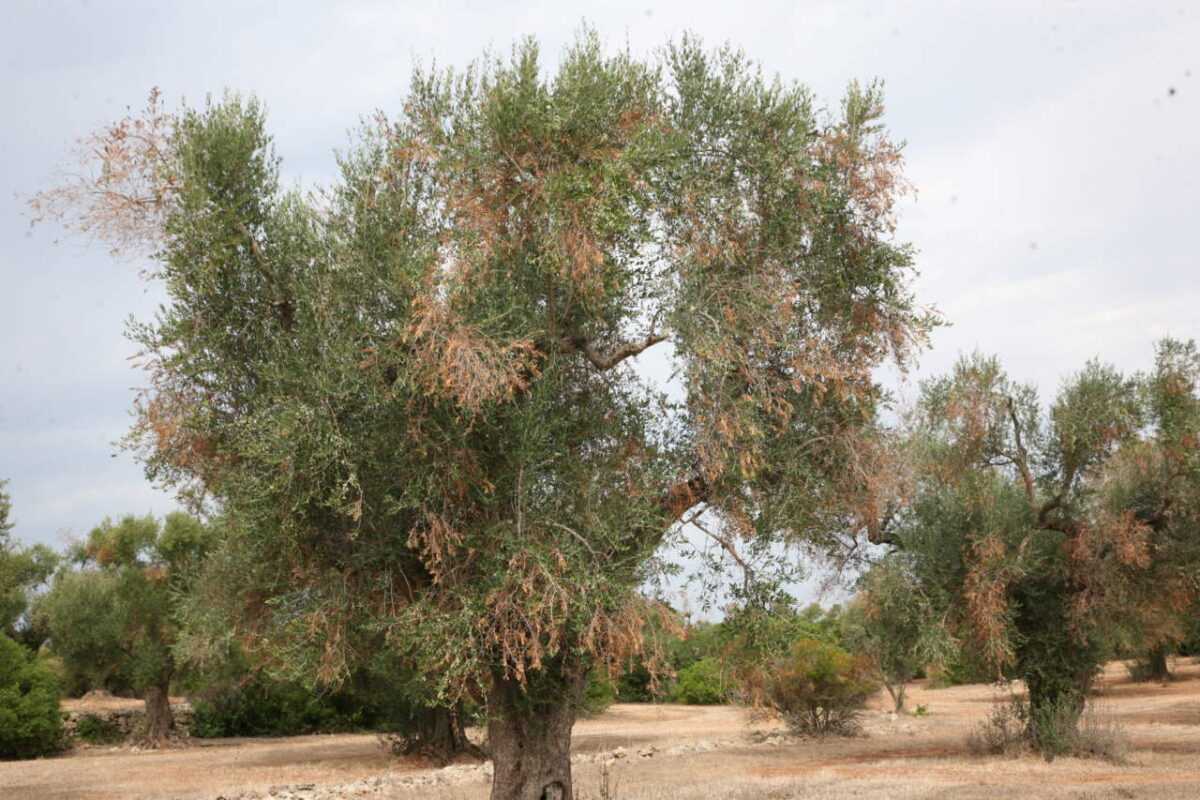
413, 395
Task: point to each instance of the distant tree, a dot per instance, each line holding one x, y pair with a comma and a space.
22, 571
892, 623
415, 400
1052, 534
6, 525
111, 609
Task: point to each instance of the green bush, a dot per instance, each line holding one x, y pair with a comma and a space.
701, 684
959, 669
95, 730
261, 707
31, 723
819, 689
598, 694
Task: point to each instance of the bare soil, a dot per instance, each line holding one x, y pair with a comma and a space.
681, 753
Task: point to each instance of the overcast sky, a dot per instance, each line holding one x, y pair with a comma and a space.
1054, 146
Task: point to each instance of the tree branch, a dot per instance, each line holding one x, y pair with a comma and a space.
1022, 458
604, 361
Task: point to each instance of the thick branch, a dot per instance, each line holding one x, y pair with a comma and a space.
603, 361
1022, 456
682, 496
879, 531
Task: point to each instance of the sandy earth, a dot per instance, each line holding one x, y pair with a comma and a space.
680, 753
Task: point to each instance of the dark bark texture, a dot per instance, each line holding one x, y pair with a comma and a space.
160, 720
1157, 663
440, 736
529, 735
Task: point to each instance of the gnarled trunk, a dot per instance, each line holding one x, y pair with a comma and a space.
1157, 664
441, 736
1055, 706
160, 721
529, 735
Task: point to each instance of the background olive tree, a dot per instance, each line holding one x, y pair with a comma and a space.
111, 609
1056, 535
895, 625
23, 572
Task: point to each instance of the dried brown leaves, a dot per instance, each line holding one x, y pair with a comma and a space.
124, 185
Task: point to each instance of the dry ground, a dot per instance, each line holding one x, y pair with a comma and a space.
683, 753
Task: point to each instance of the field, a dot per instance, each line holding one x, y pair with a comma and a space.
682, 753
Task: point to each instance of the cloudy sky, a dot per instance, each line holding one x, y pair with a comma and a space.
1053, 144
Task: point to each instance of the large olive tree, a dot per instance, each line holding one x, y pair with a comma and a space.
414, 399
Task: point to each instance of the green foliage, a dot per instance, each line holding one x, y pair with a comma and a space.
261, 707
702, 683
894, 625
111, 609
819, 689
235, 698
1049, 539
598, 694
30, 720
97, 730
22, 570
959, 666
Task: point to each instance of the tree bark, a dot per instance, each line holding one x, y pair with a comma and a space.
1054, 710
529, 734
160, 721
1157, 663
897, 691
441, 736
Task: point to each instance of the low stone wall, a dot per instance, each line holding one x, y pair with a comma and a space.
129, 722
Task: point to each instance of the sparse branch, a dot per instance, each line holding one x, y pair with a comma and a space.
726, 545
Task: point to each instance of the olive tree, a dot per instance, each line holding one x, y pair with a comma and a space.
1051, 533
23, 571
894, 624
111, 608
413, 397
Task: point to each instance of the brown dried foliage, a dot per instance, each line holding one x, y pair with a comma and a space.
457, 361
124, 185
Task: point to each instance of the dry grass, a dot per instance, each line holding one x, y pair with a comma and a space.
693, 753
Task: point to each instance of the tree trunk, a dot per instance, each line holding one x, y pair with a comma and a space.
1157, 663
441, 736
1055, 706
529, 734
160, 721
898, 694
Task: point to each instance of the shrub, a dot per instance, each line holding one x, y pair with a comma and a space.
96, 730
819, 689
701, 684
1005, 732
261, 707
1009, 731
30, 720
